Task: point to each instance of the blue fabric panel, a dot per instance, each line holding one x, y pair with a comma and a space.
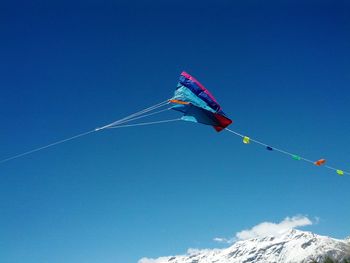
185, 94
189, 118
196, 114
181, 108
191, 85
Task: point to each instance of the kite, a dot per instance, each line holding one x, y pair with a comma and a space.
196, 104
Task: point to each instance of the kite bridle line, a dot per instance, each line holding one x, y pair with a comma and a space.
283, 151
131, 117
144, 123
135, 118
156, 106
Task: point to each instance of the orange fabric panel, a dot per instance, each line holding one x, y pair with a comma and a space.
179, 102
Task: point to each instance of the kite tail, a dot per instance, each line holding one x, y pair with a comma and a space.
320, 162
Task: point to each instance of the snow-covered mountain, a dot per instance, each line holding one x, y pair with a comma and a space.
294, 246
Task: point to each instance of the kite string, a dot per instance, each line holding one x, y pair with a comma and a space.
123, 120
283, 151
47, 146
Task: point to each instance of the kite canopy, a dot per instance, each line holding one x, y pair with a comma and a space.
197, 103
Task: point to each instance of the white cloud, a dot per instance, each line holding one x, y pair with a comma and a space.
268, 229
195, 251
220, 239
151, 260
260, 230
274, 229
225, 240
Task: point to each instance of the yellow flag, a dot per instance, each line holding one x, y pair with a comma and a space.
246, 139
340, 172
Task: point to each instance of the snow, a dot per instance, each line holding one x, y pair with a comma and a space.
294, 246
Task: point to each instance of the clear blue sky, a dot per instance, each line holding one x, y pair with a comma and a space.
280, 71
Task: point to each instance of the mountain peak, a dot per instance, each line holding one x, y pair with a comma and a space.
292, 246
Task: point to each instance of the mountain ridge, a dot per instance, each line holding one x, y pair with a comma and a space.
293, 246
